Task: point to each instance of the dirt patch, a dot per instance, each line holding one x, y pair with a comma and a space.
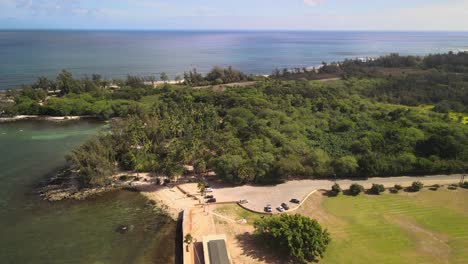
243, 247
427, 242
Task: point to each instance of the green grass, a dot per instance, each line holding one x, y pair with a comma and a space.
236, 212
427, 227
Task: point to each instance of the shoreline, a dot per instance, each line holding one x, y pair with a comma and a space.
44, 118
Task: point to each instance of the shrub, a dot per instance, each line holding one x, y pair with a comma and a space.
464, 185
377, 189
356, 189
125, 178
336, 189
398, 187
296, 236
417, 186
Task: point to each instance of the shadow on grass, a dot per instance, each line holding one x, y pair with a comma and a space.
258, 250
329, 193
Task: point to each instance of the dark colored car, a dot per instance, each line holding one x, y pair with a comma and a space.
268, 209
209, 196
285, 206
296, 201
211, 200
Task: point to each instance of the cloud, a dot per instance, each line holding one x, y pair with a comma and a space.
53, 7
312, 2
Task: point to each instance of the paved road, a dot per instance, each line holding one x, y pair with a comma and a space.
259, 196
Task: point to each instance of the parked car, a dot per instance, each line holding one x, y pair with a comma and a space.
211, 200
285, 206
208, 190
296, 201
280, 209
268, 208
209, 196
243, 201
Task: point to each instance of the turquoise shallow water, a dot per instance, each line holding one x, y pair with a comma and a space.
34, 231
25, 55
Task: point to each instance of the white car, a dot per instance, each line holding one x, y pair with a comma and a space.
280, 209
243, 201
208, 190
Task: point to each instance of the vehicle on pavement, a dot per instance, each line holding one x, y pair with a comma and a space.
209, 196
296, 201
280, 209
243, 201
211, 200
285, 206
208, 190
268, 208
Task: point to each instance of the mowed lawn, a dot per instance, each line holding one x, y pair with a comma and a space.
425, 227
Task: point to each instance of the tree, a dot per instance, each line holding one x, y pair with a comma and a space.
164, 77
188, 239
345, 166
355, 189
377, 189
66, 84
152, 79
201, 187
417, 186
336, 189
298, 237
200, 167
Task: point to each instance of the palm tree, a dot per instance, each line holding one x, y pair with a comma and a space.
188, 239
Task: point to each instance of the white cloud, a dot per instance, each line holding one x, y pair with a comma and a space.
312, 2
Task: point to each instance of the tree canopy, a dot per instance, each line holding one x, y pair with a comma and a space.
295, 236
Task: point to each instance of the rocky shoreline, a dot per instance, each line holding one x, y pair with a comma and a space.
65, 185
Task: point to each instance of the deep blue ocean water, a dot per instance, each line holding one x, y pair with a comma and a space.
26, 55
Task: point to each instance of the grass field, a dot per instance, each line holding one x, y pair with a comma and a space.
425, 227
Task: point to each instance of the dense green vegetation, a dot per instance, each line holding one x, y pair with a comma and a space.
295, 236
363, 125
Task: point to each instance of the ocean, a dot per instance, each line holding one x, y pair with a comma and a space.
36, 231
26, 55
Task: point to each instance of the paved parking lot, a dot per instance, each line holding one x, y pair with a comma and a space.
260, 196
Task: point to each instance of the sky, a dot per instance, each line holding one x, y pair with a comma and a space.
396, 15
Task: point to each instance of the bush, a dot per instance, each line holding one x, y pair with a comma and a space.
336, 189
464, 185
356, 189
398, 187
300, 238
417, 186
125, 178
377, 189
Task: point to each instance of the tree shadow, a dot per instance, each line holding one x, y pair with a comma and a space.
329, 193
258, 249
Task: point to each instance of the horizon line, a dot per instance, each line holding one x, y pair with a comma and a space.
230, 30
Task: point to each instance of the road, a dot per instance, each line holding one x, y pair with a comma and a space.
259, 196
